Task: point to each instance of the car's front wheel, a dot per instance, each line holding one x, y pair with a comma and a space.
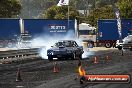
50, 58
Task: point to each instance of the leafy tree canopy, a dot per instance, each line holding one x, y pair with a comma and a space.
9, 8
107, 11
61, 12
100, 13
125, 7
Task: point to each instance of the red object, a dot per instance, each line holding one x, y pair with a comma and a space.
107, 78
107, 58
55, 69
18, 77
96, 60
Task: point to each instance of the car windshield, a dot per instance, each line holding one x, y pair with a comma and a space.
66, 44
59, 44
71, 44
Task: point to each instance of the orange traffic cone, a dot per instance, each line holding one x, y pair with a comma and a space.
107, 58
18, 77
96, 60
55, 69
79, 63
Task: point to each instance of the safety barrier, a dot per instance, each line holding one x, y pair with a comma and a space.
16, 55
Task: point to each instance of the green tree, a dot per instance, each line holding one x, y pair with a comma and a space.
35, 8
125, 7
102, 3
9, 8
61, 12
100, 13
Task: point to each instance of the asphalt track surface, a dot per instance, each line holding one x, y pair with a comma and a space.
39, 73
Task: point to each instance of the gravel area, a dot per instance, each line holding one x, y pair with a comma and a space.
39, 73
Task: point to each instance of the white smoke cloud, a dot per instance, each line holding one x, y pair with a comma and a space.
45, 42
87, 53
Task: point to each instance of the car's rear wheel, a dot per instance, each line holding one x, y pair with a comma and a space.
108, 45
131, 49
50, 58
74, 56
80, 56
77, 56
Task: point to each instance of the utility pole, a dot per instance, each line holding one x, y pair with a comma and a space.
94, 3
86, 6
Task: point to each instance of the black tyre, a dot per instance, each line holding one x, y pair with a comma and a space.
108, 45
80, 56
119, 47
50, 58
131, 49
74, 56
61, 58
91, 44
82, 80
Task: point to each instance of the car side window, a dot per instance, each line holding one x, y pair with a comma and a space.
56, 45
75, 44
68, 44
61, 44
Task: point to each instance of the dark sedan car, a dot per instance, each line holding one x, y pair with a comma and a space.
65, 49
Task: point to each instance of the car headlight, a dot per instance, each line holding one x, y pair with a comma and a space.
50, 52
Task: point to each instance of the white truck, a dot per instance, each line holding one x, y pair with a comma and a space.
87, 34
126, 43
